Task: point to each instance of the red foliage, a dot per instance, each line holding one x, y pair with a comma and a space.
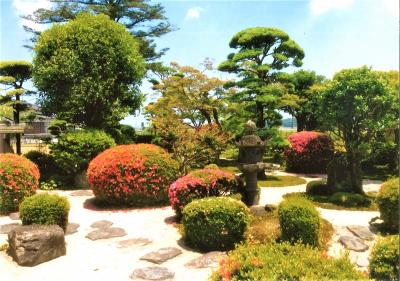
133, 175
309, 152
19, 177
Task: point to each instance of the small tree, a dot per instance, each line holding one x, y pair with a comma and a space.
13, 74
357, 105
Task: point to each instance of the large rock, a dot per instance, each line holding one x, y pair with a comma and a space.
162, 255
152, 273
6, 228
30, 245
353, 243
362, 232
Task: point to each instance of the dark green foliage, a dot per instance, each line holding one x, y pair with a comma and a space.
145, 138
215, 223
384, 259
388, 201
278, 262
45, 208
125, 134
45, 162
299, 221
318, 187
57, 127
349, 199
75, 149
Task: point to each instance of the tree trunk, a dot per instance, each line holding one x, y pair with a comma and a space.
216, 118
260, 115
16, 121
354, 161
206, 115
300, 123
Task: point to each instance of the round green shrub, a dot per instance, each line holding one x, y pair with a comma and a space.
384, 259
283, 261
19, 178
75, 149
349, 199
215, 223
45, 162
388, 200
45, 208
318, 187
299, 221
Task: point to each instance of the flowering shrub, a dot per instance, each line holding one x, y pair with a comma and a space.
132, 175
19, 177
309, 152
199, 184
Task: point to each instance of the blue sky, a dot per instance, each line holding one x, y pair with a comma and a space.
334, 34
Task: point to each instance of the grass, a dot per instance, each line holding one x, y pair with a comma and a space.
281, 181
323, 201
231, 169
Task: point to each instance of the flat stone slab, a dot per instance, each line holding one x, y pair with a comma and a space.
162, 255
84, 192
6, 228
362, 232
152, 273
353, 243
106, 233
14, 216
71, 228
102, 224
207, 260
134, 242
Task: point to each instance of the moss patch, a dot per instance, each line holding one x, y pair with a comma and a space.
281, 181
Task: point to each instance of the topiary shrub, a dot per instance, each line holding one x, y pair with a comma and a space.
19, 177
45, 162
132, 175
349, 199
200, 184
388, 200
45, 208
299, 221
283, 261
215, 223
75, 149
309, 152
384, 259
318, 187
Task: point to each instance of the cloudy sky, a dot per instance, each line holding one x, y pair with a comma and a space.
334, 34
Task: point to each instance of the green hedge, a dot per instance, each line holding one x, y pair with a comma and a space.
45, 209
388, 202
384, 259
299, 221
215, 223
318, 187
347, 199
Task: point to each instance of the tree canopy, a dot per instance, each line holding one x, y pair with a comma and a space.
87, 71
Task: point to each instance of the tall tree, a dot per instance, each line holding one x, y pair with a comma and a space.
13, 74
262, 52
93, 83
144, 20
357, 105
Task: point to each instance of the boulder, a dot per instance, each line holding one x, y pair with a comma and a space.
30, 245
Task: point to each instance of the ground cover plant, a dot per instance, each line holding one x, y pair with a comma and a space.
281, 181
384, 259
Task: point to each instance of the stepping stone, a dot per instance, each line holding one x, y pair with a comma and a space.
106, 233
71, 228
258, 210
152, 273
84, 192
207, 260
101, 224
162, 255
6, 228
353, 243
14, 216
362, 232
134, 242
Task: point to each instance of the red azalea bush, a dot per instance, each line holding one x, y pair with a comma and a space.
199, 184
309, 152
132, 175
19, 177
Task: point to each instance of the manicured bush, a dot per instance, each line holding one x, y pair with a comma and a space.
75, 149
384, 259
45, 208
349, 199
132, 175
388, 200
284, 262
318, 187
200, 184
215, 223
19, 177
299, 221
309, 152
45, 162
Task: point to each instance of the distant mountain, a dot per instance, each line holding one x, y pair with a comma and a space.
289, 123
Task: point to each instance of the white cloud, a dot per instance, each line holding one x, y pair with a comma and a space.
319, 7
27, 7
194, 13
